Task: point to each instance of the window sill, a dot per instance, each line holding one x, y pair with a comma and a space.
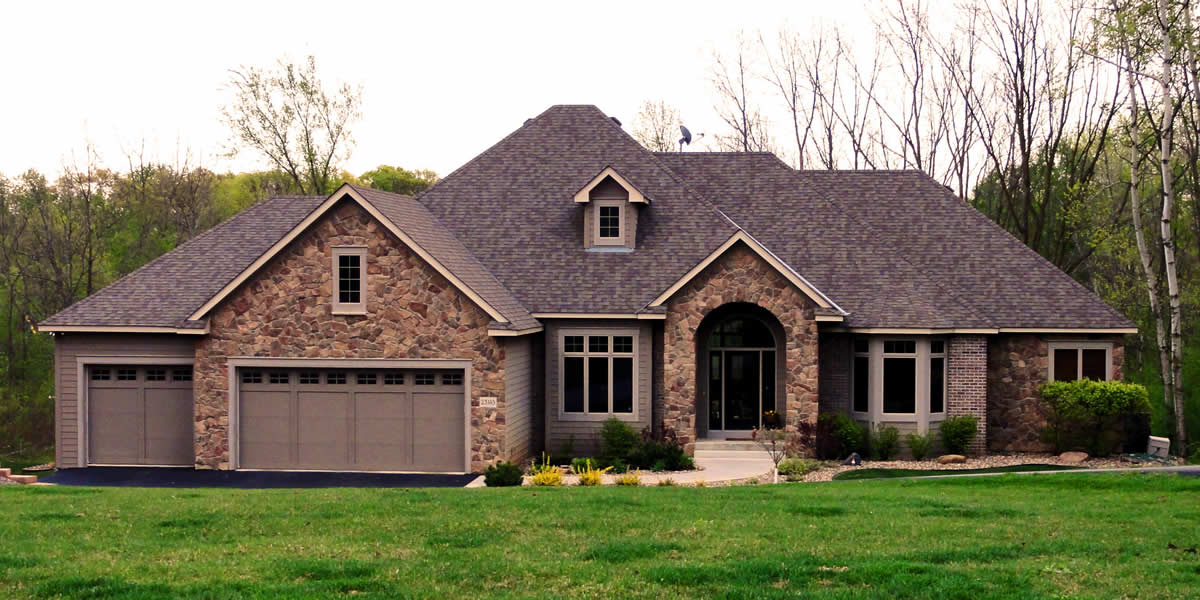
350, 311
597, 417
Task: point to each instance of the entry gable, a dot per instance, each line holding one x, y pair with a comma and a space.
439, 251
832, 312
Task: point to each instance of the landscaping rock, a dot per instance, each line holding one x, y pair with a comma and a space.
951, 459
1073, 458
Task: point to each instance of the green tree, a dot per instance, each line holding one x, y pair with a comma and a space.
399, 180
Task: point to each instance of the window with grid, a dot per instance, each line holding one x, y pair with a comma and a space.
452, 379
1070, 361
424, 379
393, 379
156, 374
181, 374
598, 373
349, 289
366, 379
309, 378
610, 221
126, 374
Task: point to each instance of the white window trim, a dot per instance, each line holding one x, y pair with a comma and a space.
922, 416
621, 224
349, 308
917, 362
1079, 347
563, 415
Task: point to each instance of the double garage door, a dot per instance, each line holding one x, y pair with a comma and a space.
351, 419
320, 419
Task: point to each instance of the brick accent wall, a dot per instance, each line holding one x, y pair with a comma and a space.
285, 311
738, 276
835, 352
966, 383
1018, 365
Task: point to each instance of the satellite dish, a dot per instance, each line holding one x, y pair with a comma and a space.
687, 137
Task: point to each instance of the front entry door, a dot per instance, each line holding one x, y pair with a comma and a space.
739, 381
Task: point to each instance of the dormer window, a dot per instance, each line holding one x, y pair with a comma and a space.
610, 212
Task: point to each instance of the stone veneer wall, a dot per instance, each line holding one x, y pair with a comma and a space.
966, 384
284, 311
1018, 365
738, 276
836, 357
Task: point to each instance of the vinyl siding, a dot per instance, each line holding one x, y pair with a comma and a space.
518, 398
68, 347
559, 431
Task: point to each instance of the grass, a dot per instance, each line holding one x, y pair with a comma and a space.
1036, 536
893, 473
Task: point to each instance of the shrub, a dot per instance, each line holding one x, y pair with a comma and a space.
957, 433
546, 474
661, 452
919, 445
617, 439
589, 475
794, 469
816, 438
578, 465
1090, 414
618, 465
632, 478
885, 442
700, 483
502, 474
837, 435
667, 482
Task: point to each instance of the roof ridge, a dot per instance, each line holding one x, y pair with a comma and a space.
181, 247
867, 226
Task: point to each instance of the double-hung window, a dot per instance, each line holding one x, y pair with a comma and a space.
598, 372
1070, 361
350, 280
609, 222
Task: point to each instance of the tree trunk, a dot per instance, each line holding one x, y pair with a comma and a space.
1165, 147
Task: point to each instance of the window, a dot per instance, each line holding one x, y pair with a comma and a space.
937, 376
126, 374
156, 374
598, 373
335, 378
349, 267
310, 378
1070, 361
393, 379
452, 379
608, 226
101, 374
181, 374
900, 376
279, 377
424, 379
251, 377
862, 375
365, 379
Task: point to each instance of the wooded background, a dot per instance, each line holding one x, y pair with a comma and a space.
1073, 124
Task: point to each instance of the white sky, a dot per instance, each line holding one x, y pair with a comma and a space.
442, 81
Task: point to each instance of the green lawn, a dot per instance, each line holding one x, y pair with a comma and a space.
1030, 536
894, 473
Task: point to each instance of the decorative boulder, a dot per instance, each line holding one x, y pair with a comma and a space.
1073, 458
951, 459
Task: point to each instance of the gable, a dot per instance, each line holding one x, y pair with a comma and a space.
609, 180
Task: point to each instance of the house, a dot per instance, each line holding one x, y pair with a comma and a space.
564, 276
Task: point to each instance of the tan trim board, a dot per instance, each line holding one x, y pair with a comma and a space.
635, 195
317, 213
1113, 330
741, 236
830, 318
918, 330
514, 332
644, 316
107, 329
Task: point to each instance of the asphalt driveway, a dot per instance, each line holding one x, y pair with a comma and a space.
187, 477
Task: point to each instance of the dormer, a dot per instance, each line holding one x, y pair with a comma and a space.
610, 212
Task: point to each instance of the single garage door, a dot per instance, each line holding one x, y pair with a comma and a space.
140, 415
352, 420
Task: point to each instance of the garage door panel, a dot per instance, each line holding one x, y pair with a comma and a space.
438, 431
169, 429
382, 420
115, 426
268, 416
323, 430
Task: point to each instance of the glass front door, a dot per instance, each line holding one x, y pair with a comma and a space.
739, 381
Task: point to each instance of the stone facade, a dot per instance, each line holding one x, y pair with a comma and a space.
966, 384
284, 311
738, 276
1017, 366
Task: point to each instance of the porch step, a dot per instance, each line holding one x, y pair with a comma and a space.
26, 479
728, 445
5, 472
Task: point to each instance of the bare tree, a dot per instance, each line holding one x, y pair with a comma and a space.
732, 78
288, 116
656, 126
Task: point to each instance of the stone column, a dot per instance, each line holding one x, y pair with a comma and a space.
966, 383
